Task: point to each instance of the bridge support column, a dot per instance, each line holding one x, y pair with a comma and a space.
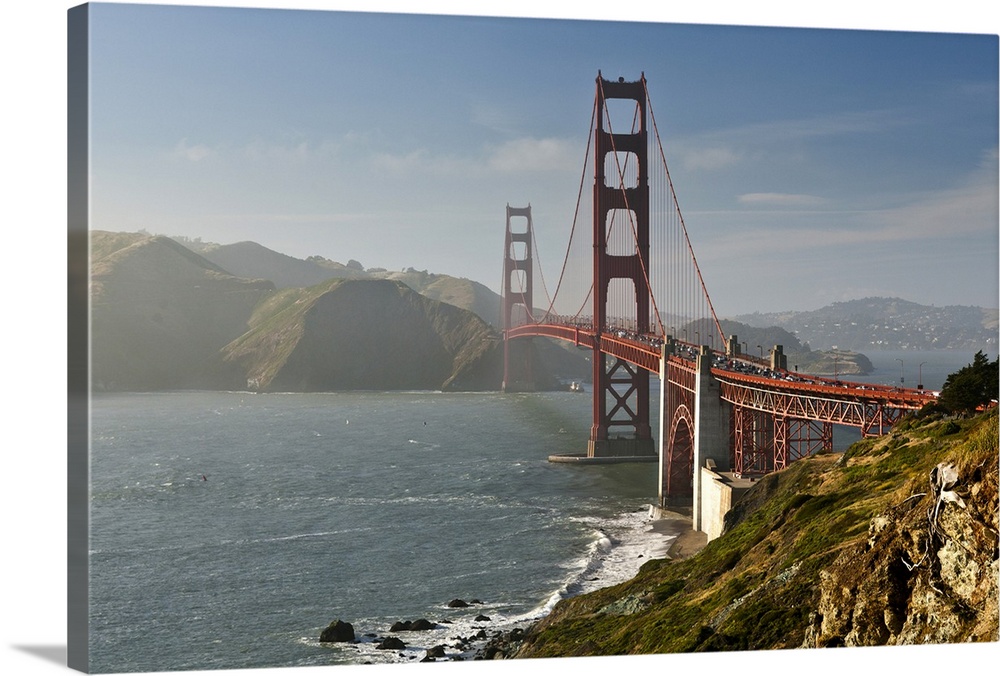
518, 371
621, 402
711, 428
664, 427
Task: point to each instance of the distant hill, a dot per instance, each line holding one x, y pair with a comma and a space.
166, 317
800, 357
160, 313
887, 324
364, 334
253, 261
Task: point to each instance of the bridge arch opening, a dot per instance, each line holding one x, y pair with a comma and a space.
621, 170
677, 479
620, 224
622, 116
621, 307
518, 250
518, 281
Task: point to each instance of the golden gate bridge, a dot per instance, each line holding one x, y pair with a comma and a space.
633, 294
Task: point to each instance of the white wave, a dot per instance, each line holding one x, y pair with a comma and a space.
619, 547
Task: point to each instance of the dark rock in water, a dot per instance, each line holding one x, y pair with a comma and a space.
475, 602
338, 632
391, 643
482, 618
436, 651
457, 603
502, 646
416, 625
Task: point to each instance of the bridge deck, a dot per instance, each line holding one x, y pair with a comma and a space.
748, 381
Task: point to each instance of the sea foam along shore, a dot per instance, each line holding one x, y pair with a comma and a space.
619, 548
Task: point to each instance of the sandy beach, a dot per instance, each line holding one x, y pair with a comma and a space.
686, 543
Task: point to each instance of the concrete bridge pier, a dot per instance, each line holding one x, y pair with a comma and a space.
711, 430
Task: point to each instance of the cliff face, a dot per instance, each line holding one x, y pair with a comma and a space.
894, 542
927, 572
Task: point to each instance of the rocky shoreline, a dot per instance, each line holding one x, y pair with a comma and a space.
432, 641
686, 543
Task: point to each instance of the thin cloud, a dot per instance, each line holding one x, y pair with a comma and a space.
775, 199
192, 152
966, 210
291, 152
726, 148
530, 154
711, 159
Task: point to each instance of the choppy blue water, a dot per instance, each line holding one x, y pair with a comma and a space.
228, 529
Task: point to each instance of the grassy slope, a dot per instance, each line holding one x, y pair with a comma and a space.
759, 585
346, 334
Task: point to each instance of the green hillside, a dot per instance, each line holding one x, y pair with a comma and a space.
880, 545
160, 313
165, 317
364, 334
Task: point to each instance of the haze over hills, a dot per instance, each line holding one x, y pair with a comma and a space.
349, 334
160, 313
859, 325
181, 313
888, 324
165, 317
251, 260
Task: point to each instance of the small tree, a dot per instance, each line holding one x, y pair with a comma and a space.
973, 386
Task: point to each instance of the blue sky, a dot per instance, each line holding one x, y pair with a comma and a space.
811, 165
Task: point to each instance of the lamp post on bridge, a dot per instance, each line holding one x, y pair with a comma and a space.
761, 351
920, 375
901, 379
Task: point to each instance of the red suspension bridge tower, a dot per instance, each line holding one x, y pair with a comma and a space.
517, 308
621, 199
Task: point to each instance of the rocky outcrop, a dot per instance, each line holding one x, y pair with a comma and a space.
928, 566
391, 643
338, 632
414, 625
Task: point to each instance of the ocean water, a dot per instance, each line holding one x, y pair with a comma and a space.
228, 528
929, 368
